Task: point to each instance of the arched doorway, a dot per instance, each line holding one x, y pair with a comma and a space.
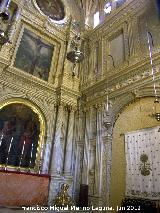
136, 115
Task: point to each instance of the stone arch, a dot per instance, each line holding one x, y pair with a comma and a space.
20, 107
130, 115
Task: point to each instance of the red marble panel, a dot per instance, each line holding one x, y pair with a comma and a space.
21, 189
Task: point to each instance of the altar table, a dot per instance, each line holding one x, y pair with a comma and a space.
23, 189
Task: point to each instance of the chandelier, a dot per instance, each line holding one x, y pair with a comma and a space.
75, 55
107, 123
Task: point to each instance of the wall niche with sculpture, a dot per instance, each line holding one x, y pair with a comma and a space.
21, 135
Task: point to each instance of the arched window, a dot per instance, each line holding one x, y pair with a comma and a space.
107, 7
96, 19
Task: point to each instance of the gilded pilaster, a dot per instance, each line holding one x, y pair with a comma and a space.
104, 56
134, 40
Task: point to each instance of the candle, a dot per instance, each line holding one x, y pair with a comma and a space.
8, 153
30, 161
1, 139
23, 148
31, 150
10, 145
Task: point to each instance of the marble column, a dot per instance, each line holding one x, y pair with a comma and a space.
78, 164
98, 166
106, 167
86, 148
57, 155
48, 141
69, 145
92, 167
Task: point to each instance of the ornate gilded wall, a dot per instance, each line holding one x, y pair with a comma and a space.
125, 79
55, 98
77, 146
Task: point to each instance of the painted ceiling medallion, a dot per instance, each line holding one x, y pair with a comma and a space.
54, 9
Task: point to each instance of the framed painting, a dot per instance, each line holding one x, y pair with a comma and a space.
20, 134
34, 55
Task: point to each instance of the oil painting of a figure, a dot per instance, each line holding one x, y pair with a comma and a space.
19, 135
34, 55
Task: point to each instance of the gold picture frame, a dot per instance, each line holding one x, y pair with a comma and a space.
26, 104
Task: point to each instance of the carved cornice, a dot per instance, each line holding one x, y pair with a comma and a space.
24, 77
69, 97
134, 75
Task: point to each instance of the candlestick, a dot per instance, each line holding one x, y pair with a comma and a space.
31, 151
21, 156
10, 145
29, 169
8, 153
23, 148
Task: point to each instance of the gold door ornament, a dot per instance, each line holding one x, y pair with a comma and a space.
144, 165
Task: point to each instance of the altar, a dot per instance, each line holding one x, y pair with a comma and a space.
23, 189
